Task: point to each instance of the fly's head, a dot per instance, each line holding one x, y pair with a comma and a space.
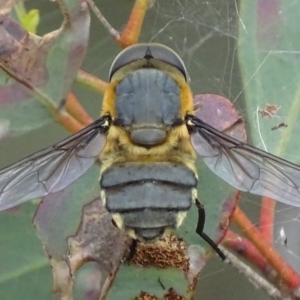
148, 95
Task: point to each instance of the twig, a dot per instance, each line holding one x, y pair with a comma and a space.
102, 19
256, 279
244, 248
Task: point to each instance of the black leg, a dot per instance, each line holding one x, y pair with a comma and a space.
132, 250
161, 284
199, 230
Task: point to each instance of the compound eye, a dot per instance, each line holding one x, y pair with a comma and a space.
147, 51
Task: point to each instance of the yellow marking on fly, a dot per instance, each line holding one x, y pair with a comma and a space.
168, 231
108, 104
181, 215
103, 197
131, 233
118, 219
177, 149
194, 192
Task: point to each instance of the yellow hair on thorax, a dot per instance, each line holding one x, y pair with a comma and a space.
119, 148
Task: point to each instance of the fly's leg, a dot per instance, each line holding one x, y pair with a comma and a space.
132, 250
199, 230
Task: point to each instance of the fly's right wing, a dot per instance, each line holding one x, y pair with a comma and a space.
54, 168
245, 167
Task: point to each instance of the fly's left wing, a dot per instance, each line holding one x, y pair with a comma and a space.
54, 168
245, 167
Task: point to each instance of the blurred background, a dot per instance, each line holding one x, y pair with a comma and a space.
211, 37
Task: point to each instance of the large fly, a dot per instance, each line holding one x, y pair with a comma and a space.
147, 131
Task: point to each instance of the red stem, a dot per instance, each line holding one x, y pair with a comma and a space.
267, 219
131, 33
286, 272
246, 249
91, 81
75, 109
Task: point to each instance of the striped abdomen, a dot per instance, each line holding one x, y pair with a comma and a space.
145, 199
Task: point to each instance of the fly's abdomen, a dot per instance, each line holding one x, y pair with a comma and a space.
146, 199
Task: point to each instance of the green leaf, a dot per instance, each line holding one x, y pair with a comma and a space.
25, 272
37, 72
132, 280
29, 20
269, 57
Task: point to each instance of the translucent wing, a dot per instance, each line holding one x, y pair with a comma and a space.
53, 168
245, 167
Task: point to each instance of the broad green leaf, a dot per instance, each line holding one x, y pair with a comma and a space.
132, 280
36, 72
25, 272
268, 52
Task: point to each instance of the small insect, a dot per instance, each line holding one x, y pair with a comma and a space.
147, 139
280, 125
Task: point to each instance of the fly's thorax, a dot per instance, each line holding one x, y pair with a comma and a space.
146, 199
148, 106
148, 121
147, 98
176, 149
